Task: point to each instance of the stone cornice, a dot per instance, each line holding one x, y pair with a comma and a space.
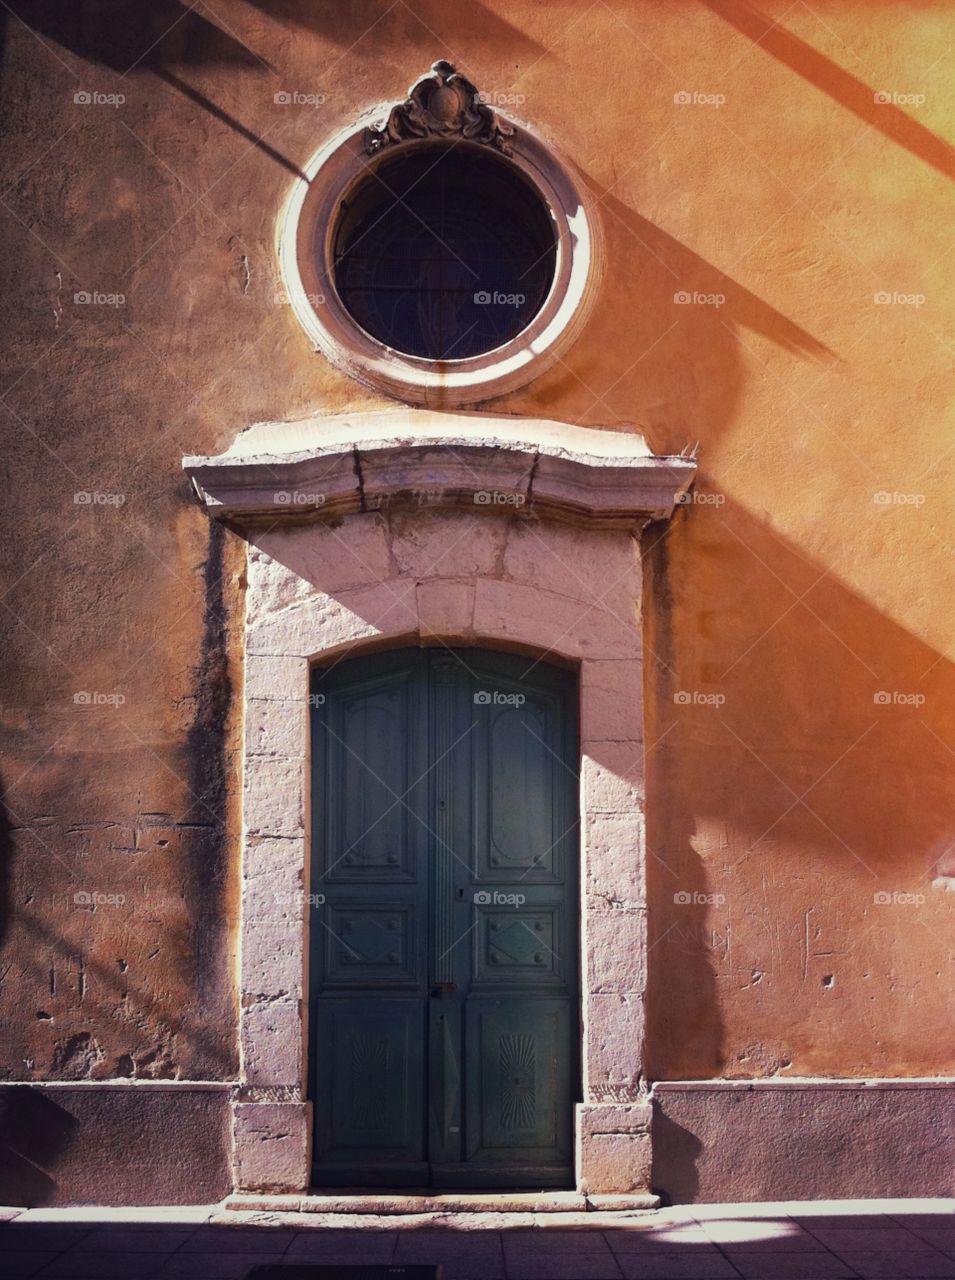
325, 467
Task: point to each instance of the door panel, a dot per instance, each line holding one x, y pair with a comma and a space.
517, 949
517, 1110
369, 941
373, 751
374, 1064
444, 1006
520, 786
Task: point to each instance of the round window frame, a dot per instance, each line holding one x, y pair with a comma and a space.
307, 232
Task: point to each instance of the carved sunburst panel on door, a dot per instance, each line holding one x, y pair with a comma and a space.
516, 1109
371, 1060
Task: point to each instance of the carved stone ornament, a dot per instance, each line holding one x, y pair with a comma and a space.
442, 105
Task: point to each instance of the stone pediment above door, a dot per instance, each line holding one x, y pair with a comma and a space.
326, 467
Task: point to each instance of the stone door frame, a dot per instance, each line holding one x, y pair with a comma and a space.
548, 565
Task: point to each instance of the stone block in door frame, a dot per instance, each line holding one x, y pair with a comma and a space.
613, 1147
271, 1144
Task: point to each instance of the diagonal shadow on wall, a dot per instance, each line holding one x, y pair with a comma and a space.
127, 37
392, 24
804, 715
122, 35
841, 85
682, 368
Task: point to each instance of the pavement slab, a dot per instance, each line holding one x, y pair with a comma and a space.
677, 1266
791, 1266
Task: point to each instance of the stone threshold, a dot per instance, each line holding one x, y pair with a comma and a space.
396, 1204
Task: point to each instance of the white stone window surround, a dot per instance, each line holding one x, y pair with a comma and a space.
393, 550
306, 232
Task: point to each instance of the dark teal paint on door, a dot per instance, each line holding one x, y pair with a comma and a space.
444, 974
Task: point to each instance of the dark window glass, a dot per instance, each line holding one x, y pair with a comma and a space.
444, 253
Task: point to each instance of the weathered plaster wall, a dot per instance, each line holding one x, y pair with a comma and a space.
787, 589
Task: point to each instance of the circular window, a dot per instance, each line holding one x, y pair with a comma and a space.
444, 253
445, 267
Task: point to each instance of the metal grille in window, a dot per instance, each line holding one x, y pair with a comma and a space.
444, 253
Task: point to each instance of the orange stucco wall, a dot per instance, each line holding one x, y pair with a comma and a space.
785, 201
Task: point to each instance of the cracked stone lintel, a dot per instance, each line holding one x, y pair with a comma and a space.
324, 468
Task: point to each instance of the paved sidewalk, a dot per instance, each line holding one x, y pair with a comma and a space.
810, 1240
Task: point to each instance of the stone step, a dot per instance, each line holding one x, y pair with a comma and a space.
405, 1204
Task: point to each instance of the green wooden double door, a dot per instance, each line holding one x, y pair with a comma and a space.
444, 1018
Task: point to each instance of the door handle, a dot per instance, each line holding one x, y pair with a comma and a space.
443, 988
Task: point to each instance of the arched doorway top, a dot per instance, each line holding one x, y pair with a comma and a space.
326, 467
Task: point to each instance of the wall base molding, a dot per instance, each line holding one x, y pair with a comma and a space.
737, 1140
712, 1141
